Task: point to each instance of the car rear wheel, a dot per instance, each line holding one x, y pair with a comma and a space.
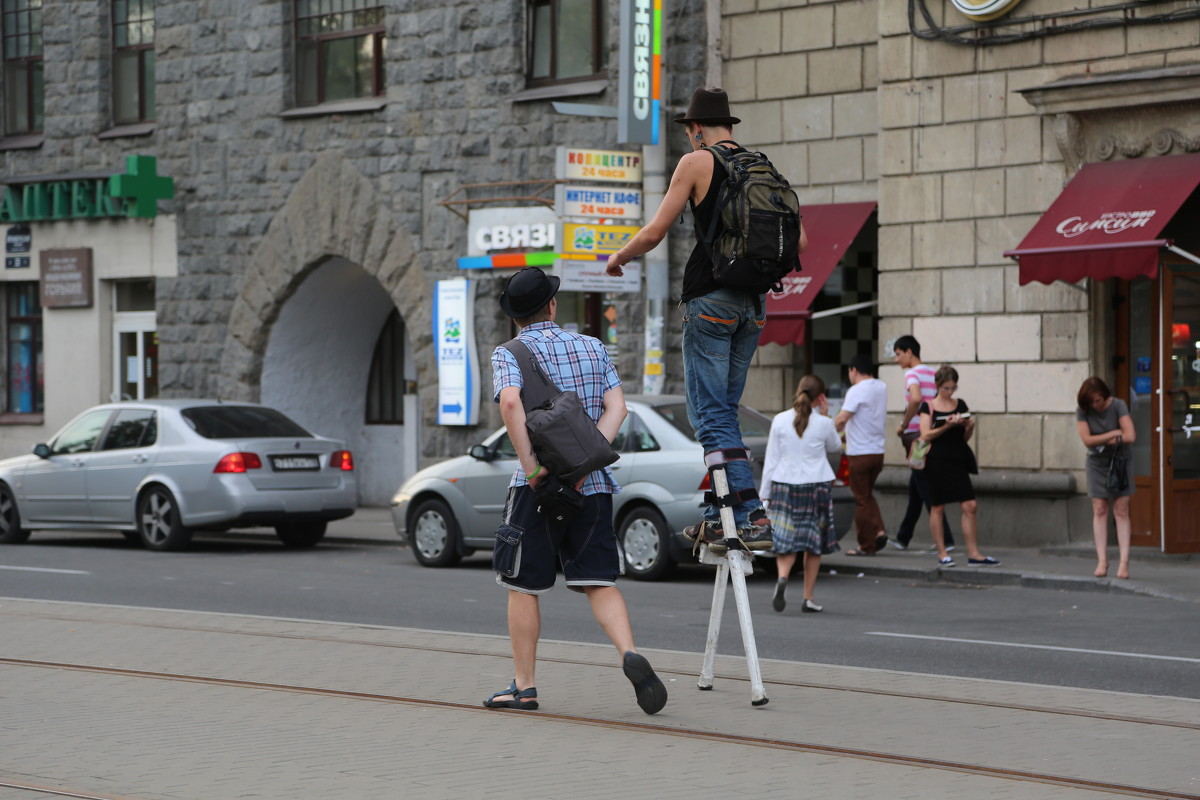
10, 519
300, 534
158, 521
433, 534
646, 541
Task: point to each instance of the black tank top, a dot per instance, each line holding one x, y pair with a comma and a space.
697, 275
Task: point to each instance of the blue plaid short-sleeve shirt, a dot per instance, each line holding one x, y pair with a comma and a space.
575, 363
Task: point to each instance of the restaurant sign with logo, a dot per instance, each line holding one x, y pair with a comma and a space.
593, 242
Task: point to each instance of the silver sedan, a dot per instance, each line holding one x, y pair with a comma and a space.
156, 470
451, 509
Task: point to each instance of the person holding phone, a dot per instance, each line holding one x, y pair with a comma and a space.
947, 425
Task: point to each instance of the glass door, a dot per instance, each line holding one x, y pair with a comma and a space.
1180, 435
1137, 384
135, 350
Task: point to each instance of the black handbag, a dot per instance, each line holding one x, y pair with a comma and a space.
564, 438
1118, 471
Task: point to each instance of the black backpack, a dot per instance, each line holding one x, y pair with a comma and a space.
760, 214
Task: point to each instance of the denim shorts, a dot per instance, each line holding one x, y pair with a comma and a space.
528, 548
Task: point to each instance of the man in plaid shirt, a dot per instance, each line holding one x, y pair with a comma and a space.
587, 545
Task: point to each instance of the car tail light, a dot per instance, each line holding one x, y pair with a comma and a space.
341, 459
843, 472
706, 484
238, 462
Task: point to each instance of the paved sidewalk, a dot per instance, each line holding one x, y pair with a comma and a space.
214, 731
1065, 568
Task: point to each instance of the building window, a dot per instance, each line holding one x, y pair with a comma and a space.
567, 40
386, 384
21, 23
339, 50
133, 61
23, 354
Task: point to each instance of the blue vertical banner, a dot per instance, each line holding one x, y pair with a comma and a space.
639, 82
457, 359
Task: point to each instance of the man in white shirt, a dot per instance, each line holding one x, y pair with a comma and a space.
863, 418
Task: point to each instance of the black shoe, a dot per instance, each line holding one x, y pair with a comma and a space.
779, 602
810, 607
651, 694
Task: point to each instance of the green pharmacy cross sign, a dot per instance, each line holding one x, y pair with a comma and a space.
135, 193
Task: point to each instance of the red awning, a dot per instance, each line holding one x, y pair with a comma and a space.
1108, 220
831, 230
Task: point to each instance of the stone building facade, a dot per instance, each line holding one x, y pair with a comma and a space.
299, 230
965, 144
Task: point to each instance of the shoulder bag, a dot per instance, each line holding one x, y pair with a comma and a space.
564, 438
1118, 471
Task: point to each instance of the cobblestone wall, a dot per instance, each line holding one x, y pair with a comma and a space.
223, 81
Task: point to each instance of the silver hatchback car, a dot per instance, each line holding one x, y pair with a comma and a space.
156, 470
449, 510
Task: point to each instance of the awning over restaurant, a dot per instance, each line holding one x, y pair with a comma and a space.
831, 230
1108, 220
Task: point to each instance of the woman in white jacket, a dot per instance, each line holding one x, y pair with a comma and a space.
797, 480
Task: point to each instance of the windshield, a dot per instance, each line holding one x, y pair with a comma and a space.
242, 422
753, 423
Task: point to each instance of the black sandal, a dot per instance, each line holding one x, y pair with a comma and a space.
525, 699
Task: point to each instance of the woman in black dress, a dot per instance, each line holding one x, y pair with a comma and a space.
947, 425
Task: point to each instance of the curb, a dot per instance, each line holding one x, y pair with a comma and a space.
1002, 577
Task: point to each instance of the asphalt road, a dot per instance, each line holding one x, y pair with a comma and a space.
1100, 641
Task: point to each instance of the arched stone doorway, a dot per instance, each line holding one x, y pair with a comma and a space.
316, 370
318, 289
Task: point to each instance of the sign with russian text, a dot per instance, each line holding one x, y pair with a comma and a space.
67, 278
493, 230
133, 193
457, 364
616, 166
598, 201
589, 276
582, 241
640, 85
19, 239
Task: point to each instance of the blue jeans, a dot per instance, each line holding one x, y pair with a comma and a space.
720, 335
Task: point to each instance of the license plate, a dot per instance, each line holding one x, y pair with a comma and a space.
295, 462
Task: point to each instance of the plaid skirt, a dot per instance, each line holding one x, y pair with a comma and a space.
802, 518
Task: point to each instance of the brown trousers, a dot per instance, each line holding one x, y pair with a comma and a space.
868, 522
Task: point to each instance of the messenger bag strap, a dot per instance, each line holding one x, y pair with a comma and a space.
538, 389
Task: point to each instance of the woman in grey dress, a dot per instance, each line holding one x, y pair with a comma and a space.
1106, 429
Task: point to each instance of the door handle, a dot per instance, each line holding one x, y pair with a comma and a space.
76, 462
141, 458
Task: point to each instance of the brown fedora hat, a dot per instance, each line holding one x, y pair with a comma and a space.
708, 107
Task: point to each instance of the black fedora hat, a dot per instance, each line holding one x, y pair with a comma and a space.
708, 107
527, 291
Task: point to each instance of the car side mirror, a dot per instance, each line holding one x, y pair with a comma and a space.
41, 450
481, 453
